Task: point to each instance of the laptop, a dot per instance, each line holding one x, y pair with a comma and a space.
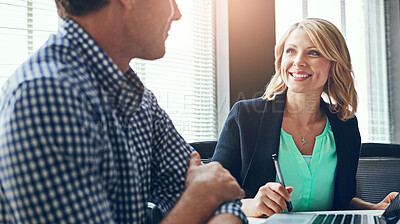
390, 216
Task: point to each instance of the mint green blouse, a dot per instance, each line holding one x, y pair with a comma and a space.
313, 184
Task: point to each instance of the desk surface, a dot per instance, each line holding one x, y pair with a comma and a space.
372, 212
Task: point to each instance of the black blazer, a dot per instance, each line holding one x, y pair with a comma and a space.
251, 135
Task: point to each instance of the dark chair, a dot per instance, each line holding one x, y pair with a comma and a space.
154, 214
205, 148
378, 171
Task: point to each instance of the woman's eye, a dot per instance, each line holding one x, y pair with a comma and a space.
315, 53
289, 50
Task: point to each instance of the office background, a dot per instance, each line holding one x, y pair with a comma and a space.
223, 51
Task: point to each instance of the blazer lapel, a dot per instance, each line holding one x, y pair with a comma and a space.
340, 142
261, 169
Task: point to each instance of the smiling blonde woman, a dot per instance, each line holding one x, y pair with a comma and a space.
317, 141
339, 87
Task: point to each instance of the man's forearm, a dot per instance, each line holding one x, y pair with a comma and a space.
224, 218
192, 208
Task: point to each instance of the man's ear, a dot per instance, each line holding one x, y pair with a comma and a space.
127, 3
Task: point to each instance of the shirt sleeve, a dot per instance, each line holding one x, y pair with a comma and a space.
233, 208
171, 162
49, 155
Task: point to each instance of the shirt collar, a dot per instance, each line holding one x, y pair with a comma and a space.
126, 89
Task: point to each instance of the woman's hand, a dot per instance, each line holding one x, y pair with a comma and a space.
270, 199
358, 204
386, 201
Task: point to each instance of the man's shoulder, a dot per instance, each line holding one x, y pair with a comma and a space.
150, 104
50, 62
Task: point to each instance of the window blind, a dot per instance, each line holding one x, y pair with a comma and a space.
378, 102
183, 81
24, 26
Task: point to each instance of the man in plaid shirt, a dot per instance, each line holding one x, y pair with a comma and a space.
83, 141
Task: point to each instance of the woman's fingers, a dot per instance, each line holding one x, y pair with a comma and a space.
276, 204
279, 189
272, 195
263, 208
270, 199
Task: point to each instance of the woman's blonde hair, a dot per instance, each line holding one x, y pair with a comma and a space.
339, 89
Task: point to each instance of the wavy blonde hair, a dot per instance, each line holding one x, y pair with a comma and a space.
339, 89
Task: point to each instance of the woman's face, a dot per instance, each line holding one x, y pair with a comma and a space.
303, 68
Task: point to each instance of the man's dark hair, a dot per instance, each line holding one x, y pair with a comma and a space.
67, 8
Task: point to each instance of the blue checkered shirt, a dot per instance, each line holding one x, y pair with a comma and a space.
80, 142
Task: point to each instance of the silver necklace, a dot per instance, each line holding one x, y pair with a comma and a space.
304, 139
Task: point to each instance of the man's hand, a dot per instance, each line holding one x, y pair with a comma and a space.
212, 180
207, 187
